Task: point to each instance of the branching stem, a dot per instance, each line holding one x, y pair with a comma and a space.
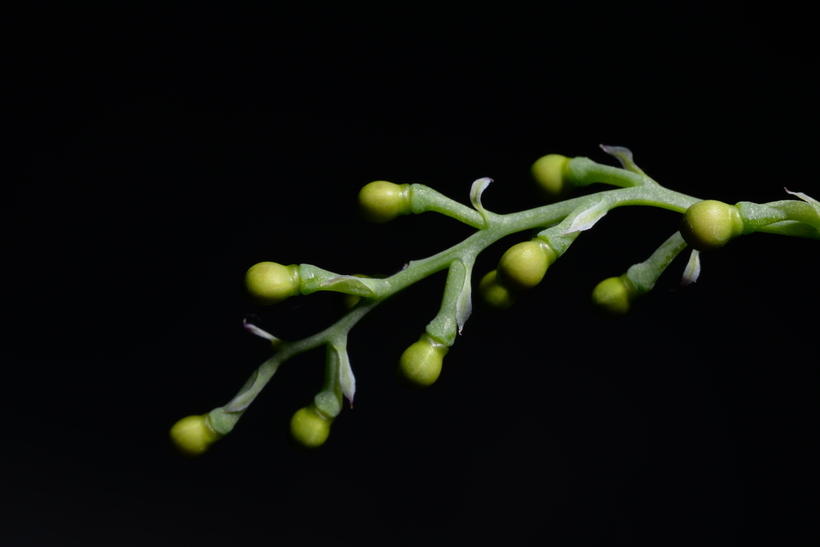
559, 223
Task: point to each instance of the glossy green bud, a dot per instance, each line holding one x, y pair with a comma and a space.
381, 201
494, 293
551, 172
710, 224
523, 265
193, 435
613, 297
420, 364
310, 427
270, 283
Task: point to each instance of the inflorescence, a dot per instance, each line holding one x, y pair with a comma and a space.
705, 225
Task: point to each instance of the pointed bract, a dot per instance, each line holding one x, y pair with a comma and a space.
346, 378
587, 219
253, 329
464, 304
475, 194
623, 155
692, 270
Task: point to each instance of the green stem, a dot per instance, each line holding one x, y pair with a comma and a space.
584, 171
423, 199
787, 217
644, 275
445, 325
329, 400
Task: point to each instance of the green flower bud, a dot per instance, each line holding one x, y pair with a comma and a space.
310, 427
523, 265
420, 364
710, 224
381, 201
552, 175
270, 283
494, 293
193, 435
613, 297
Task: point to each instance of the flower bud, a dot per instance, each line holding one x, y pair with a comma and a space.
551, 172
193, 435
710, 224
494, 293
420, 364
381, 201
310, 427
613, 297
523, 265
270, 283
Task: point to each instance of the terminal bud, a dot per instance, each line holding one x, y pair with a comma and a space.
193, 435
495, 294
524, 264
310, 427
710, 224
382, 201
420, 364
551, 172
270, 283
613, 297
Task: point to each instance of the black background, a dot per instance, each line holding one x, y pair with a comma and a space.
152, 160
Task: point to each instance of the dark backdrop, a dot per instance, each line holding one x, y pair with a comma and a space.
151, 163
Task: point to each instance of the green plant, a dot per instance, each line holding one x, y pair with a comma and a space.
705, 226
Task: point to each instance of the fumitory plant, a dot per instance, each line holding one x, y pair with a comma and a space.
706, 225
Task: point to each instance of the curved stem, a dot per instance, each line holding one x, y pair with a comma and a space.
644, 275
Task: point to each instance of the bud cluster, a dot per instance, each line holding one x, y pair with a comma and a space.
705, 225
